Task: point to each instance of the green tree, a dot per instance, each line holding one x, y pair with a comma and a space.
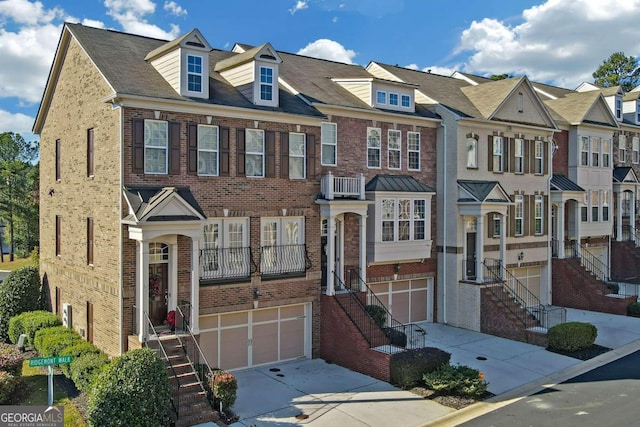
500, 76
616, 70
16, 181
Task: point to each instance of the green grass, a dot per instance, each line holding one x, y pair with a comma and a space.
15, 264
37, 393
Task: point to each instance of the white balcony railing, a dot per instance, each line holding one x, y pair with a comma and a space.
342, 186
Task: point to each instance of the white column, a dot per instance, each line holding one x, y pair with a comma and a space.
340, 250
331, 257
632, 212
619, 216
503, 239
578, 221
479, 248
143, 290
363, 250
560, 229
195, 286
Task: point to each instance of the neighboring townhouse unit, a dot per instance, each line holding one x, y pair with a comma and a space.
248, 191
493, 199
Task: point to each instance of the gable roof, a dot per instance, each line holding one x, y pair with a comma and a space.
559, 182
248, 56
624, 174
574, 108
397, 183
487, 97
147, 203
194, 39
480, 191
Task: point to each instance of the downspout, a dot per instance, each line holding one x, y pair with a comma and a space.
550, 221
123, 335
444, 226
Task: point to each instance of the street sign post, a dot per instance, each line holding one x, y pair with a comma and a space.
49, 362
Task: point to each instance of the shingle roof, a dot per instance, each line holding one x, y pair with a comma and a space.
621, 173
562, 183
479, 189
143, 199
573, 107
397, 183
487, 97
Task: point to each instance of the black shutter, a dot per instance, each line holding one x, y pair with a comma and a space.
174, 148
241, 147
270, 152
192, 149
490, 154
311, 156
284, 154
505, 154
224, 151
137, 162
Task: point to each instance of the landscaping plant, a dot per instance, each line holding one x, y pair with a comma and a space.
29, 323
10, 359
572, 336
459, 380
19, 292
225, 386
408, 367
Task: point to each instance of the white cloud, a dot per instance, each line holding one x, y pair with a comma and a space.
174, 8
558, 41
443, 71
17, 123
29, 13
328, 49
300, 5
130, 14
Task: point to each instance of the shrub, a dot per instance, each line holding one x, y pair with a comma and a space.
19, 292
29, 323
10, 359
8, 384
50, 341
408, 367
459, 380
87, 367
379, 314
225, 387
133, 390
633, 309
76, 350
572, 336
396, 337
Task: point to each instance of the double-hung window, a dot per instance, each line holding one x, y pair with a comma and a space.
618, 108
403, 219
297, 155
405, 101
156, 147
266, 83
606, 153
638, 112
626, 203
595, 152
539, 158
605, 205
373, 147
381, 97
498, 154
254, 156
413, 151
584, 151
472, 153
393, 99
194, 73
208, 150
518, 153
539, 216
497, 221
584, 208
282, 245
595, 205
329, 141
635, 146
622, 148
225, 250
519, 215
395, 148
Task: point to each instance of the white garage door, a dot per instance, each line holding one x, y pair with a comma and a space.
256, 337
530, 278
408, 301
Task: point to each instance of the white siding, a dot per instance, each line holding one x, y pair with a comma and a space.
169, 68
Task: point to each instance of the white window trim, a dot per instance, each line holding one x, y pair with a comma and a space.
538, 149
413, 221
584, 162
378, 148
303, 156
409, 150
193, 73
383, 94
397, 150
635, 156
618, 105
208, 150
267, 84
519, 216
397, 104
269, 261
538, 215
498, 152
227, 263
408, 98
605, 145
605, 206
254, 153
326, 143
156, 147
518, 166
622, 148
595, 205
596, 146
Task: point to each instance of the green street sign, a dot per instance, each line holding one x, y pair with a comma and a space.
47, 361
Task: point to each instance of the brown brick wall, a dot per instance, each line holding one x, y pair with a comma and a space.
342, 343
561, 156
625, 261
75, 108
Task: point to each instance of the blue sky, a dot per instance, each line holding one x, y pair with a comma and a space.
559, 42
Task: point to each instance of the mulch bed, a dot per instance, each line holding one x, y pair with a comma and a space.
452, 401
586, 354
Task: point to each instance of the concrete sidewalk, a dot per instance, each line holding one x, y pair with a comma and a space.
315, 393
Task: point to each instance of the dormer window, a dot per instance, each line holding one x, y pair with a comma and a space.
393, 99
406, 101
381, 97
618, 108
266, 84
638, 112
194, 73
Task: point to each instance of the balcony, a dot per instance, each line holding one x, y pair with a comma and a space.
332, 187
285, 260
226, 264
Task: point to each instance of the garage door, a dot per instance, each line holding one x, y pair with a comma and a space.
408, 301
530, 278
256, 337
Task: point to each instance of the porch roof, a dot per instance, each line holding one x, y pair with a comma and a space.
397, 183
560, 182
624, 174
144, 200
483, 191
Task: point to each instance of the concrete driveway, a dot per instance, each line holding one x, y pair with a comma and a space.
316, 393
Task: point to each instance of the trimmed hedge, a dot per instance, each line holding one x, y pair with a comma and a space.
133, 390
29, 323
572, 336
408, 367
19, 292
8, 384
76, 350
50, 341
10, 359
86, 368
460, 380
633, 309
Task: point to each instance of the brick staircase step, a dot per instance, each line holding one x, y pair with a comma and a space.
199, 418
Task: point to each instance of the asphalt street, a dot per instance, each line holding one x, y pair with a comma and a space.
605, 396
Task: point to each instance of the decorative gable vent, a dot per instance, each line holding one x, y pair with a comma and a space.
184, 64
254, 72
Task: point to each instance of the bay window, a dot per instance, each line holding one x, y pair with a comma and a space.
403, 219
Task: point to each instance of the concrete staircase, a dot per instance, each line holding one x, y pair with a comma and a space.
192, 403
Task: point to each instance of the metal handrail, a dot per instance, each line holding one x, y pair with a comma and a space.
284, 259
630, 233
175, 386
591, 262
197, 359
226, 263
